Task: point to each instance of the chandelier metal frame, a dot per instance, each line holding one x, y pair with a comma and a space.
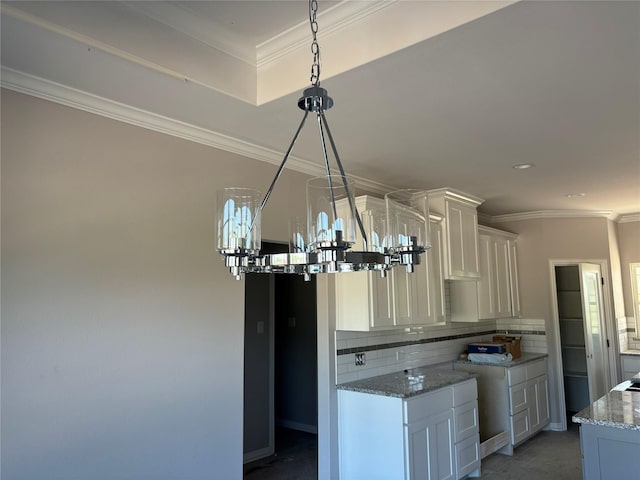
332, 256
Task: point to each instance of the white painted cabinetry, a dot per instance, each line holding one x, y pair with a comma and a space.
495, 293
366, 301
630, 366
433, 436
511, 399
460, 233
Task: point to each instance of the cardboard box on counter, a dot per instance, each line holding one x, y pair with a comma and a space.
511, 343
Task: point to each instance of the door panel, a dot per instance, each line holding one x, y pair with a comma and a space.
595, 333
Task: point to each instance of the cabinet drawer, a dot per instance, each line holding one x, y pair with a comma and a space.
465, 420
518, 398
465, 392
520, 426
428, 404
535, 369
467, 456
516, 375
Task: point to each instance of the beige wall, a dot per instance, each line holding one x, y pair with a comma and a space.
629, 245
122, 331
539, 242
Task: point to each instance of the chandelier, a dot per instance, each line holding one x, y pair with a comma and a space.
394, 235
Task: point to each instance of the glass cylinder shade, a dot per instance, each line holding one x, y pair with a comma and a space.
408, 220
298, 235
239, 221
375, 226
331, 220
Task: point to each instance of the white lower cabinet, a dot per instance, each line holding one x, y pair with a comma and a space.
630, 366
432, 436
513, 400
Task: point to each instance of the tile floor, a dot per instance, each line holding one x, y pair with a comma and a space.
547, 456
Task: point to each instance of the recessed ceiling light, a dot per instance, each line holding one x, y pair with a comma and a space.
575, 195
523, 166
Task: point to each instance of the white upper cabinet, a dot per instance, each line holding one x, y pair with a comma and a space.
367, 301
460, 232
495, 293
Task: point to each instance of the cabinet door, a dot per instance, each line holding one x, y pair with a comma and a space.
467, 456
513, 280
380, 301
405, 294
486, 284
419, 296
431, 454
363, 302
520, 428
502, 274
542, 401
462, 238
434, 265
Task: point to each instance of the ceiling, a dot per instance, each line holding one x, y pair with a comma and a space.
427, 94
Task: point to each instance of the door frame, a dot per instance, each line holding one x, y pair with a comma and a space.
609, 325
253, 455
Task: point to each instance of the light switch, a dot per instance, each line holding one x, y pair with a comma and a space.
260, 327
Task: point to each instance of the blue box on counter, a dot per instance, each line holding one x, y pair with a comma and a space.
486, 348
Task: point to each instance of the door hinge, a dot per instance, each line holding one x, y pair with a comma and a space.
602, 280
608, 346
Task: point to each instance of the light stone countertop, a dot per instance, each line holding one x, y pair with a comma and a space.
407, 383
630, 352
616, 409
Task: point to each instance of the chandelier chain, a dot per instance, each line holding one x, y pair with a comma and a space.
315, 48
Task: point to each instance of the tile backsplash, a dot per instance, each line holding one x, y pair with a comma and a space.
627, 334
392, 351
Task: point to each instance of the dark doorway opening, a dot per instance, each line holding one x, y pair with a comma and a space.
280, 400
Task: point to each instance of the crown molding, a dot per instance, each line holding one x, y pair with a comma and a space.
629, 218
511, 217
38, 87
177, 17
337, 18
458, 195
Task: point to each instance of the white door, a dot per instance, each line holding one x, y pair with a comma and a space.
594, 329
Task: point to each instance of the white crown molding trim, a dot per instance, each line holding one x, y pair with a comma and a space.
91, 42
71, 97
176, 16
511, 217
337, 18
629, 218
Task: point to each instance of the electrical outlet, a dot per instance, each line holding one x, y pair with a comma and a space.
360, 359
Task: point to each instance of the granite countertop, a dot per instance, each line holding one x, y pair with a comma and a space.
526, 357
616, 409
630, 352
407, 383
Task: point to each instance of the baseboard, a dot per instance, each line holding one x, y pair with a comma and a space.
555, 426
258, 454
303, 427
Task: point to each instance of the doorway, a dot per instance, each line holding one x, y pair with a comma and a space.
581, 333
281, 394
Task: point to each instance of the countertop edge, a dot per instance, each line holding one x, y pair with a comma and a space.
526, 358
444, 379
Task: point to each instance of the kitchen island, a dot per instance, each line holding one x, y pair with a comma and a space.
610, 435
417, 423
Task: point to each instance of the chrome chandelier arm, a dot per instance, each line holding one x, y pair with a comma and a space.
350, 195
284, 160
326, 162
